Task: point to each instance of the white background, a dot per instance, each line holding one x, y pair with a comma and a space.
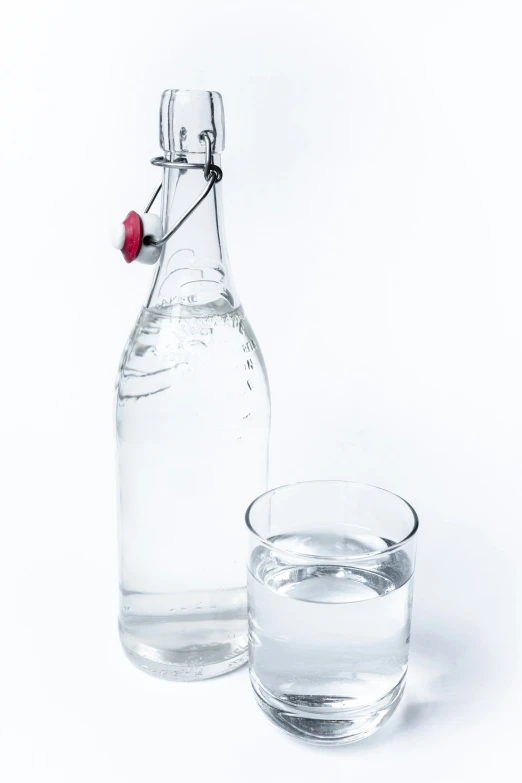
373, 200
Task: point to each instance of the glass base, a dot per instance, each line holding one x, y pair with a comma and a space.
319, 727
196, 663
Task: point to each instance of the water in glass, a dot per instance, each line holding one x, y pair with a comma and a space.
327, 637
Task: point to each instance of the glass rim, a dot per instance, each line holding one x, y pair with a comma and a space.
339, 558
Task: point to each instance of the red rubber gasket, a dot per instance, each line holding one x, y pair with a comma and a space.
133, 236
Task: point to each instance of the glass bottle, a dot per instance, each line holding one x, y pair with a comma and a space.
192, 417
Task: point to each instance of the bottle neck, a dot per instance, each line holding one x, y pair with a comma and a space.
193, 273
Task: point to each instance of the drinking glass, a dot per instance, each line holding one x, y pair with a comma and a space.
330, 588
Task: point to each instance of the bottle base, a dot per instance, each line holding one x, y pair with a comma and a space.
184, 665
328, 728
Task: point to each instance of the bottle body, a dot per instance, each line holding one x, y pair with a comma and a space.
192, 426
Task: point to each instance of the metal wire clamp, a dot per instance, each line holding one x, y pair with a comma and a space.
212, 174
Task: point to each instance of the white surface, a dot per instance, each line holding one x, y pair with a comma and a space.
373, 203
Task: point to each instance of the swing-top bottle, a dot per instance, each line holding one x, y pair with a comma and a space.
192, 416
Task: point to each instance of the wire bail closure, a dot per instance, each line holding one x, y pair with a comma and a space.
212, 174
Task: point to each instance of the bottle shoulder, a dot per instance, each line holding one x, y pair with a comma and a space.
193, 349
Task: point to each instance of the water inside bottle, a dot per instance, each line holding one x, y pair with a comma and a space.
192, 419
